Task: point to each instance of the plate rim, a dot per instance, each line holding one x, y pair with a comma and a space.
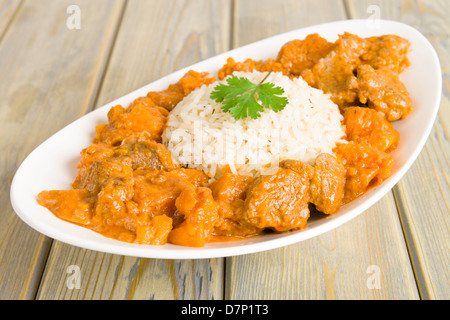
244, 246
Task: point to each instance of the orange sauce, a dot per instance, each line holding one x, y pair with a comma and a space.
130, 188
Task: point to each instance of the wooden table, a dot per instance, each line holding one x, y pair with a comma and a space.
55, 68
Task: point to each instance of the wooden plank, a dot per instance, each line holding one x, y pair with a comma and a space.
169, 35
363, 259
48, 75
113, 277
256, 20
8, 9
423, 194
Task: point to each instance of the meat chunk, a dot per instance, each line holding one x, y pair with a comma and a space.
383, 91
113, 212
90, 155
155, 191
298, 55
200, 213
197, 178
365, 125
126, 192
141, 119
117, 211
326, 187
278, 201
327, 184
193, 80
139, 209
167, 98
250, 65
334, 74
229, 192
365, 165
297, 166
101, 172
229, 188
146, 154
387, 51
171, 96
100, 162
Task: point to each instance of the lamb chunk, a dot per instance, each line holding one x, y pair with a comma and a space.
334, 74
112, 211
155, 192
146, 154
279, 201
327, 184
298, 55
297, 166
383, 91
229, 191
88, 156
99, 163
197, 178
249, 65
167, 98
193, 80
387, 51
171, 96
101, 172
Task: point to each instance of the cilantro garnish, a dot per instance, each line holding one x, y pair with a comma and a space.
242, 98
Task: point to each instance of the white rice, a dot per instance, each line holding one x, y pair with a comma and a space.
201, 136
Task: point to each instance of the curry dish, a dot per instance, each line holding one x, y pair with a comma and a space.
131, 189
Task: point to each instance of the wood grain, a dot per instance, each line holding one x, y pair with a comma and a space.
423, 194
8, 9
339, 264
256, 20
48, 76
52, 76
161, 44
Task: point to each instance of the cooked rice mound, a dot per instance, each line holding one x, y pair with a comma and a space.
202, 136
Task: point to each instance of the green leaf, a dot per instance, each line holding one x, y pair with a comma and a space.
240, 97
244, 106
270, 97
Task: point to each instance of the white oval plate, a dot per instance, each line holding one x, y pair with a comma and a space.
53, 164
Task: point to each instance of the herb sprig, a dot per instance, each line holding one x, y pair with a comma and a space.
242, 98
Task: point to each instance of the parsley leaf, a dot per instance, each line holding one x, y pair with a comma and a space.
243, 98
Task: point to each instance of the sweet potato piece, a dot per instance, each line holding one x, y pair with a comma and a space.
366, 125
200, 213
365, 166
